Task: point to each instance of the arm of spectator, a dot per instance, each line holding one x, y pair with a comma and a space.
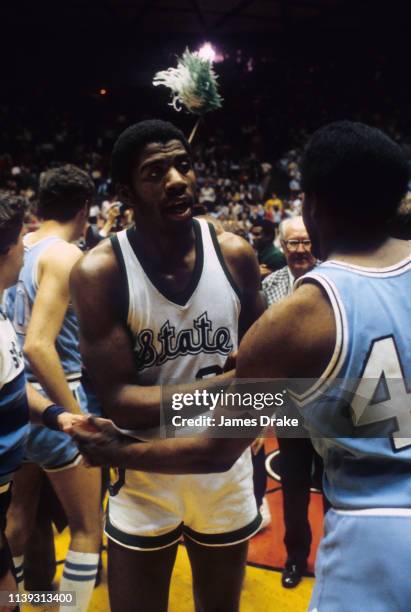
112, 214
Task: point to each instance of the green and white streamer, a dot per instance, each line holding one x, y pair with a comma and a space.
193, 84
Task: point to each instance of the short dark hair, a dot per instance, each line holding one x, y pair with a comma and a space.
356, 170
12, 211
130, 142
63, 192
268, 227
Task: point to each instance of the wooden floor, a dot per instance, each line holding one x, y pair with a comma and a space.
262, 588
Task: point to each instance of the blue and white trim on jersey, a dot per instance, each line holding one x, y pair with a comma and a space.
393, 270
341, 341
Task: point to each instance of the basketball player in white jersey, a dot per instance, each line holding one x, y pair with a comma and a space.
164, 302
349, 322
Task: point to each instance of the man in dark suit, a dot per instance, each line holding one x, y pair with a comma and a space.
297, 455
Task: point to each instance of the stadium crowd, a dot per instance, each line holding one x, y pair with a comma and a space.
236, 190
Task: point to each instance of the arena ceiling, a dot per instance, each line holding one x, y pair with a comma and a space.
201, 17
72, 41
217, 16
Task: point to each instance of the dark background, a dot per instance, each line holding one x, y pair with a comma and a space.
289, 66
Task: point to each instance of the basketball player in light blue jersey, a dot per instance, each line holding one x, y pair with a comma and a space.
16, 398
349, 322
39, 306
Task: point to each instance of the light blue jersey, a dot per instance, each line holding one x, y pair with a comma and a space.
52, 450
14, 413
19, 304
361, 423
359, 416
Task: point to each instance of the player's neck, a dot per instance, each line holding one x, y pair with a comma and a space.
65, 231
373, 254
163, 248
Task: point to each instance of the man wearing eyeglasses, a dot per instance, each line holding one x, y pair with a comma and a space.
297, 251
297, 455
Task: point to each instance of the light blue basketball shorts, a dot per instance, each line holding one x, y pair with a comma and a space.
364, 562
55, 450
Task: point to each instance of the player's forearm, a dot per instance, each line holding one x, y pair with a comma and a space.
134, 407
46, 366
44, 412
183, 456
37, 403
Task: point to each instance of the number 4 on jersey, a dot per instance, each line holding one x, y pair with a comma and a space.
382, 392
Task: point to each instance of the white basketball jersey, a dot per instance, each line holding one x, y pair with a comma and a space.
11, 357
14, 410
184, 341
179, 340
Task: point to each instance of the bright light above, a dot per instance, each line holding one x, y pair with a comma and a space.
207, 52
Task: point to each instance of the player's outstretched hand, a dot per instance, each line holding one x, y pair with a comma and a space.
85, 423
67, 420
100, 442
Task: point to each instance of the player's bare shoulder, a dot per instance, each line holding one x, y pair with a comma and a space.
59, 258
240, 258
97, 266
235, 246
96, 285
232, 246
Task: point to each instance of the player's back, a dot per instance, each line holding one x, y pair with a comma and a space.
19, 303
360, 415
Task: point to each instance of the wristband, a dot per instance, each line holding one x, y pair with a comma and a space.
49, 416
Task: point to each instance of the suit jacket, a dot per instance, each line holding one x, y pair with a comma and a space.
277, 286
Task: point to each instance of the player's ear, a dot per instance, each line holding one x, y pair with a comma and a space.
83, 213
86, 209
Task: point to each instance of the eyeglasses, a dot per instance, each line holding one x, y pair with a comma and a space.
292, 245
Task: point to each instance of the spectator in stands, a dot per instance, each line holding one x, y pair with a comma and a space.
269, 257
94, 233
207, 196
271, 204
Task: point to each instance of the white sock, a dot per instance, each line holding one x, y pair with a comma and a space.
19, 571
79, 575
